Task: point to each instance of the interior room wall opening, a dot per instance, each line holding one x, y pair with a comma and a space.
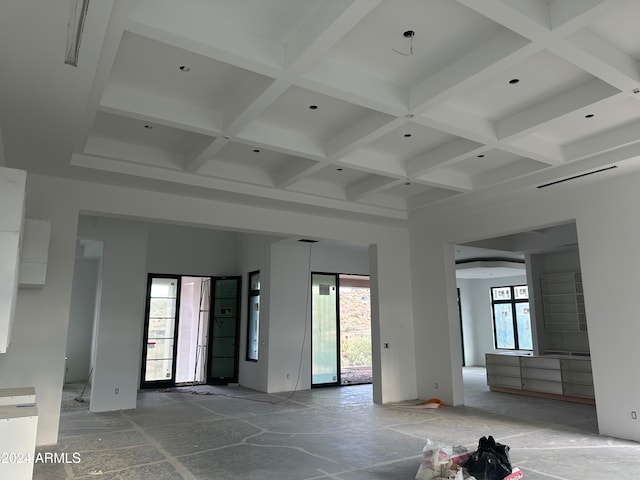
522, 295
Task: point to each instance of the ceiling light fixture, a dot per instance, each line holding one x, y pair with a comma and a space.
407, 135
513, 81
589, 115
481, 155
409, 34
409, 115
313, 107
184, 68
406, 184
148, 127
255, 150
339, 169
75, 27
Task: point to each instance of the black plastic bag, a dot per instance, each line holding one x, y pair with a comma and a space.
490, 461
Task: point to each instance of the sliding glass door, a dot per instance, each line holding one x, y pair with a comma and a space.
325, 366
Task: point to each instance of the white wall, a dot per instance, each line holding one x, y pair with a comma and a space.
81, 319
254, 253
118, 335
477, 319
42, 315
290, 305
608, 230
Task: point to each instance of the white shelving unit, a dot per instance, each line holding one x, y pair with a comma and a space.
563, 300
553, 376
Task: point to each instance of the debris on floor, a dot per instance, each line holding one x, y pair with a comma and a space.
431, 403
490, 461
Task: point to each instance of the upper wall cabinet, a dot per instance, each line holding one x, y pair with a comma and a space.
35, 253
12, 208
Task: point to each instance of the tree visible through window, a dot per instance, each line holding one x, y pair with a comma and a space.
511, 320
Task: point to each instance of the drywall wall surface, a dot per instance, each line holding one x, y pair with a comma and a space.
392, 322
118, 337
477, 319
254, 252
81, 319
289, 319
36, 354
608, 227
182, 250
44, 315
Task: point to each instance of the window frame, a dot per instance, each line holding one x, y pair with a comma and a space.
513, 302
253, 324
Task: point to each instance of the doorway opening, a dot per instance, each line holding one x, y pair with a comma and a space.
341, 330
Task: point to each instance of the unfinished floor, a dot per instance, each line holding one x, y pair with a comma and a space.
331, 433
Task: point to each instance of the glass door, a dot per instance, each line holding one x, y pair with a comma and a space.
224, 329
159, 352
325, 367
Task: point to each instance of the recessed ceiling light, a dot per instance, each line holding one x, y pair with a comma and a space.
589, 115
513, 81
184, 68
226, 137
256, 150
407, 135
339, 169
481, 155
407, 183
409, 115
409, 34
313, 107
148, 127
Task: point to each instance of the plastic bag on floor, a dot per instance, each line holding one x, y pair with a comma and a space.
490, 461
443, 462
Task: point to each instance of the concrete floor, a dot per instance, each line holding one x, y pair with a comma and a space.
335, 433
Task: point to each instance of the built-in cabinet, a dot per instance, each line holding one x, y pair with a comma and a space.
561, 377
12, 209
563, 301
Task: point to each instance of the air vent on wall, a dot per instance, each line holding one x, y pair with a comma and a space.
577, 176
307, 240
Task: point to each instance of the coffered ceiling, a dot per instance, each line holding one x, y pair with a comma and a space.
376, 107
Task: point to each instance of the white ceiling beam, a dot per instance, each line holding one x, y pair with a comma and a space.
567, 103
535, 148
572, 15
447, 179
444, 155
367, 161
429, 197
458, 122
355, 87
232, 187
603, 142
251, 103
182, 25
476, 66
362, 133
160, 110
295, 172
201, 153
600, 58
331, 21
525, 17
266, 136
369, 186
506, 173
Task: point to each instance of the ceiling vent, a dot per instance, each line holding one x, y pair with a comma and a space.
577, 176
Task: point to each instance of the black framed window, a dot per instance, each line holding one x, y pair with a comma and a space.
253, 320
511, 320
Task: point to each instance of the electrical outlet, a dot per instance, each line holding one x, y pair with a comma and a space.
386, 345
117, 391
634, 415
288, 376
435, 385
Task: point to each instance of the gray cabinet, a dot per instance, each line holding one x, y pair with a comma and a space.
553, 376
